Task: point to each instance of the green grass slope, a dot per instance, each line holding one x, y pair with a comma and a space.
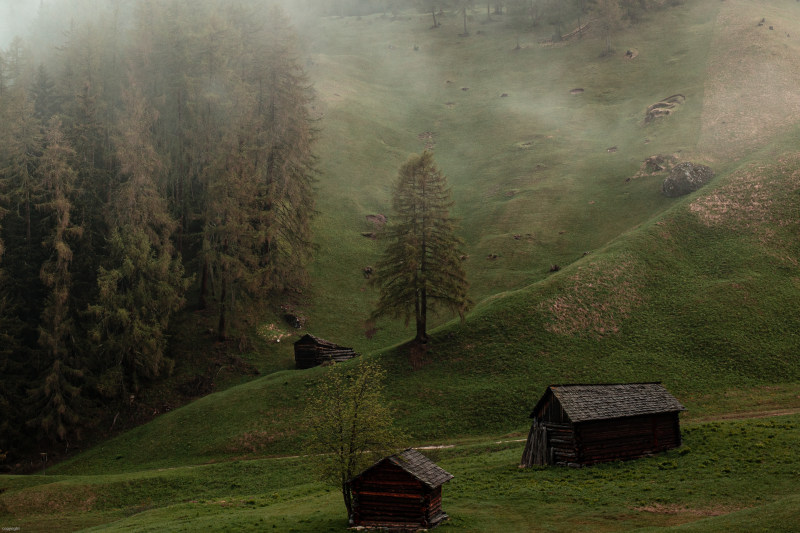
524, 156
703, 298
701, 293
739, 475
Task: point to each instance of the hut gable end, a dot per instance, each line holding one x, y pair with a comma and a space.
310, 351
399, 492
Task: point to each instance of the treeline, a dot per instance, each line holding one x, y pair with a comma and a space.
164, 148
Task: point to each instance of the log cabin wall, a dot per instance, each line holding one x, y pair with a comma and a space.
585, 431
626, 438
388, 496
311, 351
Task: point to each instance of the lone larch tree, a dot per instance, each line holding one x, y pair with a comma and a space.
422, 264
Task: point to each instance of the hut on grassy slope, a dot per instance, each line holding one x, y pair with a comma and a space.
402, 491
312, 351
585, 424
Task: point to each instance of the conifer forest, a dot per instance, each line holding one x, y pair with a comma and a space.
141, 161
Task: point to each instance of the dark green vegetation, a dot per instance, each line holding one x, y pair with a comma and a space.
349, 425
701, 293
171, 147
421, 267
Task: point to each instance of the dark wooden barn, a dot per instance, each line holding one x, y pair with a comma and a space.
403, 491
584, 424
312, 351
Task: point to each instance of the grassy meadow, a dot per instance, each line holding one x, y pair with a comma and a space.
701, 293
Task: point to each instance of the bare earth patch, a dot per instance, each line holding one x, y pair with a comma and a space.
758, 200
599, 298
751, 85
49, 499
674, 509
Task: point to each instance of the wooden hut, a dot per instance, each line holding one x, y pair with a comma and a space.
584, 424
312, 351
403, 491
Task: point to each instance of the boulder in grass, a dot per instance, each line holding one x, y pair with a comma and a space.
685, 178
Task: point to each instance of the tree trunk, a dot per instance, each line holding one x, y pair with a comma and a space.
435, 22
348, 500
202, 303
422, 317
222, 334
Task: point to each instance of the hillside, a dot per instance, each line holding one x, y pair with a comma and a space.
701, 293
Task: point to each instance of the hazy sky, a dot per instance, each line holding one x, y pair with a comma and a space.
15, 17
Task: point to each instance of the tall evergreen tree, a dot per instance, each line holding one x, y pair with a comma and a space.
421, 266
285, 159
57, 396
143, 284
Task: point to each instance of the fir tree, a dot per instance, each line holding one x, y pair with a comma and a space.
143, 284
285, 164
57, 397
421, 266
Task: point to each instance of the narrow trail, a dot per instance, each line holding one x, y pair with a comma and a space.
726, 417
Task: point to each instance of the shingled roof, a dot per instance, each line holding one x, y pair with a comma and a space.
582, 403
421, 468
418, 466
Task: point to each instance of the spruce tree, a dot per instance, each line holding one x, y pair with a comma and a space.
142, 285
57, 398
421, 265
285, 164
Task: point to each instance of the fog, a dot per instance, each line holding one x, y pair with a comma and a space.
16, 17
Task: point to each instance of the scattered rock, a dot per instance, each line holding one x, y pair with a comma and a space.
685, 178
554, 268
663, 108
377, 220
504, 95
428, 138
492, 256
576, 91
367, 271
465, 88
612, 149
296, 321
658, 163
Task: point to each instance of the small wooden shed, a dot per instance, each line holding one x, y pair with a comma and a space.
584, 424
402, 491
312, 351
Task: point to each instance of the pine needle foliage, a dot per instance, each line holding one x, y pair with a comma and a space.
142, 285
421, 266
57, 398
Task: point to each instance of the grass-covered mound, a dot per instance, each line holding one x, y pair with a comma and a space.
701, 293
738, 474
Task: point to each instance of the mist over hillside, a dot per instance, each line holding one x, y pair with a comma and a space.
16, 17
149, 151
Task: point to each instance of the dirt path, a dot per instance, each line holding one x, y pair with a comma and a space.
747, 415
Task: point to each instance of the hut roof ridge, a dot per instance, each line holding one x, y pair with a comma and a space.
421, 467
605, 401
